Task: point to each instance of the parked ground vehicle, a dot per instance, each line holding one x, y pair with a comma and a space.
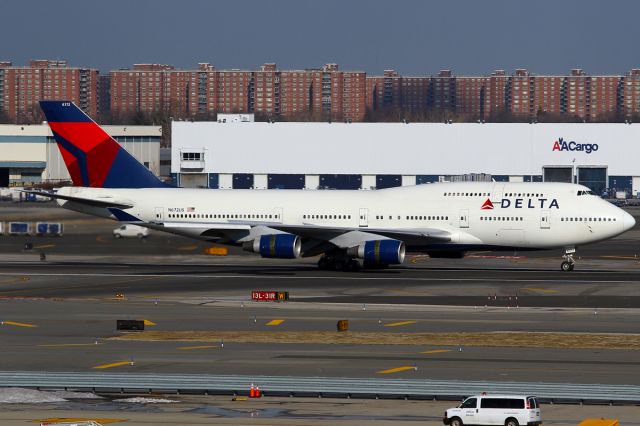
19, 228
486, 409
130, 230
49, 229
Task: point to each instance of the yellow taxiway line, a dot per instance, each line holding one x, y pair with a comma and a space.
541, 290
149, 323
436, 351
114, 364
275, 322
189, 348
397, 324
68, 345
18, 324
397, 369
43, 246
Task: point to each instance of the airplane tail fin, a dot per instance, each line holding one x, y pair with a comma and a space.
94, 158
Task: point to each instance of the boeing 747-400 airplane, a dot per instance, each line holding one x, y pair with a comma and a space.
343, 227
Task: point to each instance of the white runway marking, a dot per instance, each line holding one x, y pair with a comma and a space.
309, 277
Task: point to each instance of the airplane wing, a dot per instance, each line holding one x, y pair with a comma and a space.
94, 202
354, 236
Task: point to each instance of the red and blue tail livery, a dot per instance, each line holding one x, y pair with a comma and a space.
93, 158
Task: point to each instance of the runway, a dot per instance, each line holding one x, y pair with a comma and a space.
60, 314
473, 282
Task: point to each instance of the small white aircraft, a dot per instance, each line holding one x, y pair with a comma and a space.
344, 227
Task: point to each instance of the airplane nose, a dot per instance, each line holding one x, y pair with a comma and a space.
628, 221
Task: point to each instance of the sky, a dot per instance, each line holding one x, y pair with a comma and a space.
414, 37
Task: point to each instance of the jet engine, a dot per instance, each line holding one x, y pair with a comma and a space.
379, 252
281, 246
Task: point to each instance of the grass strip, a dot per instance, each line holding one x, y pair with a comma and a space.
491, 339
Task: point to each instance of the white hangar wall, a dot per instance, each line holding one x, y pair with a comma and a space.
373, 149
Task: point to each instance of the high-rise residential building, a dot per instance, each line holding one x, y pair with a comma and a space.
605, 98
326, 93
470, 94
22, 87
520, 93
415, 93
264, 90
442, 91
576, 93
495, 98
296, 93
384, 92
631, 93
548, 94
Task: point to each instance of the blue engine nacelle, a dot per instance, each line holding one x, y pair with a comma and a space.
379, 252
281, 246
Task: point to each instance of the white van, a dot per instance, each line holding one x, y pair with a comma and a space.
485, 409
130, 230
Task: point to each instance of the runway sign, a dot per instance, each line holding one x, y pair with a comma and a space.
270, 296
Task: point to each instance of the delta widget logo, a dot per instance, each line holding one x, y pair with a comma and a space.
488, 205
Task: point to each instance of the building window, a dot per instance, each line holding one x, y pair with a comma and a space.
191, 156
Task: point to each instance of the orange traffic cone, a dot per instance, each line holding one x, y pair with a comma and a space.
252, 392
258, 394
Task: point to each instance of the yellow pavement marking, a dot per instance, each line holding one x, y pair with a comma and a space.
149, 323
100, 239
188, 248
43, 246
114, 364
397, 369
77, 419
14, 280
68, 345
188, 348
541, 290
18, 324
275, 322
437, 351
397, 324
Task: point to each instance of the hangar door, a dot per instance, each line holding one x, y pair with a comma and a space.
593, 177
194, 180
4, 177
557, 174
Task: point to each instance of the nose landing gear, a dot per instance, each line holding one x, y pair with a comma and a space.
568, 263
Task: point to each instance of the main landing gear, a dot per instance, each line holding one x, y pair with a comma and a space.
338, 263
568, 263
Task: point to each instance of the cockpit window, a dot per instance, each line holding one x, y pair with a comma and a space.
588, 192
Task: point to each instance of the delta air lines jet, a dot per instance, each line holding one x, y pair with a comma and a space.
347, 229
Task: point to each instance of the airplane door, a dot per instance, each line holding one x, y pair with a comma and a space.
544, 220
159, 213
278, 214
463, 219
364, 218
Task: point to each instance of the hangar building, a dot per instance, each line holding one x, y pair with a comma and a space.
28, 153
260, 155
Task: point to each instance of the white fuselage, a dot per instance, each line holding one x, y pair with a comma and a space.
524, 215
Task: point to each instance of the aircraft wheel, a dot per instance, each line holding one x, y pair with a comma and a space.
352, 266
323, 263
566, 266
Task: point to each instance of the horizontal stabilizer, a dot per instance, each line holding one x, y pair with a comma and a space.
105, 203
